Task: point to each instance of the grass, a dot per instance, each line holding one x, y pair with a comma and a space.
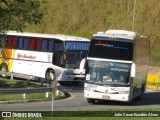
86, 17
31, 96
88, 118
99, 114
7, 83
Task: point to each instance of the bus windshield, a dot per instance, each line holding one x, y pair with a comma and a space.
73, 58
105, 72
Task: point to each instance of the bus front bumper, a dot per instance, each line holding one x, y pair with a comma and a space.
71, 78
104, 96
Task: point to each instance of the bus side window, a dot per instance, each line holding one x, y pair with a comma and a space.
58, 59
44, 45
32, 44
58, 46
25, 43
11, 42
50, 45
22, 43
38, 44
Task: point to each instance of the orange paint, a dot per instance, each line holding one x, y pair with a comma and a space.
7, 54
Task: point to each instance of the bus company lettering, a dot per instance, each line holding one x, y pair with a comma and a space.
19, 56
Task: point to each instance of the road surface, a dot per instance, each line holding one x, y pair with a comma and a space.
151, 99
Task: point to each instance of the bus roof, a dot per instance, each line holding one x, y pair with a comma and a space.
42, 35
123, 34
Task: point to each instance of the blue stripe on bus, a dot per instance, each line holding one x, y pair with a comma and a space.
123, 39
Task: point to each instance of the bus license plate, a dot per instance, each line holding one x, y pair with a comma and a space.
106, 97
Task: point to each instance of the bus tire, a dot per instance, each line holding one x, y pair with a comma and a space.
50, 75
142, 91
4, 68
90, 100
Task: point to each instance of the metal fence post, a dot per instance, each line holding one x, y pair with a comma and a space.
54, 89
41, 81
12, 75
23, 96
46, 94
28, 80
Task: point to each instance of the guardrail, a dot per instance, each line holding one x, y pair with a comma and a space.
11, 74
27, 77
25, 90
6, 73
54, 87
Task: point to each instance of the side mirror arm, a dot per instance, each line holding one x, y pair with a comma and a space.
82, 66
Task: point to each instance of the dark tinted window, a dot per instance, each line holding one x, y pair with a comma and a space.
2, 38
58, 46
111, 49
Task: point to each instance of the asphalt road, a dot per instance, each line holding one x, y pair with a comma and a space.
151, 99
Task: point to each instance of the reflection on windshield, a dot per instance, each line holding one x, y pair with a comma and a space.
107, 72
73, 59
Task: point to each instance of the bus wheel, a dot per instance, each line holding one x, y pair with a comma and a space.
90, 100
142, 91
4, 68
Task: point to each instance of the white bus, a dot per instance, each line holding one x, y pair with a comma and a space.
38, 55
116, 66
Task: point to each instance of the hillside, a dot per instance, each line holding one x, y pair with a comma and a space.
86, 17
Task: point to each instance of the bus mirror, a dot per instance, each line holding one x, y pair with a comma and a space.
133, 70
82, 65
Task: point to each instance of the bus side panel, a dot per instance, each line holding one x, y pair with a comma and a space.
29, 62
9, 55
141, 59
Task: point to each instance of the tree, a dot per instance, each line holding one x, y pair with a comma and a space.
15, 14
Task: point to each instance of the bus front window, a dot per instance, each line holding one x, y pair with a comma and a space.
73, 59
105, 72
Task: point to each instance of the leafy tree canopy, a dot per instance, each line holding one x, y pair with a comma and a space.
15, 14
